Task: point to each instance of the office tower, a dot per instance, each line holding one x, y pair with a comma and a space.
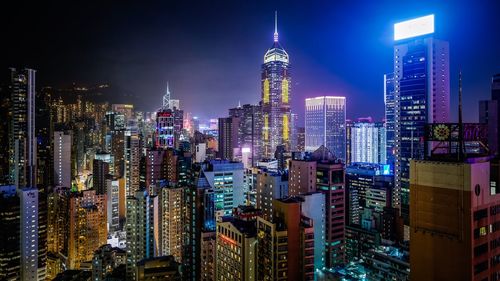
22, 139
368, 186
236, 249
488, 114
10, 254
100, 172
285, 244
132, 160
87, 226
250, 129
313, 206
229, 132
226, 179
458, 225
390, 117
158, 268
29, 233
165, 129
421, 94
105, 260
325, 119
276, 94
62, 158
140, 230
368, 143
171, 216
270, 186
112, 204
301, 139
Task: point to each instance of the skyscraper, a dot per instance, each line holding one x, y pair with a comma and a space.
389, 117
421, 94
29, 233
9, 233
22, 140
62, 158
276, 82
325, 119
250, 129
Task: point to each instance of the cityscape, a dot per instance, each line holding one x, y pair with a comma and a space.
124, 156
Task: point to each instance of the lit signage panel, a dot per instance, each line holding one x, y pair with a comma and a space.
414, 27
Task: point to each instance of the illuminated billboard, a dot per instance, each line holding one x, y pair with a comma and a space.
414, 27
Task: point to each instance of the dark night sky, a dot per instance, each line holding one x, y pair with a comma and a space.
211, 51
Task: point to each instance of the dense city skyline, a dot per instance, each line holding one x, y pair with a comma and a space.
337, 49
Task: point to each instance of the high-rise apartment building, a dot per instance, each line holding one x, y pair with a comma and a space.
62, 158
132, 160
367, 142
276, 96
321, 171
171, 216
285, 243
270, 186
325, 124
87, 226
140, 230
229, 138
236, 247
421, 94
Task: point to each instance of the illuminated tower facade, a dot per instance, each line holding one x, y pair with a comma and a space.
276, 84
165, 124
421, 95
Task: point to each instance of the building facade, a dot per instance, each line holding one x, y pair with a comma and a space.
325, 124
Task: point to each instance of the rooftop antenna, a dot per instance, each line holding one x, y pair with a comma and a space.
275, 26
460, 121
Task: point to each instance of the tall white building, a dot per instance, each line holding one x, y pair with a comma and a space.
368, 143
29, 233
325, 124
62, 158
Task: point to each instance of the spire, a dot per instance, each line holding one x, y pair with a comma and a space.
275, 26
239, 104
166, 98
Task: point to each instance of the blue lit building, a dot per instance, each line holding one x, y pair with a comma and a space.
226, 179
389, 117
421, 94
